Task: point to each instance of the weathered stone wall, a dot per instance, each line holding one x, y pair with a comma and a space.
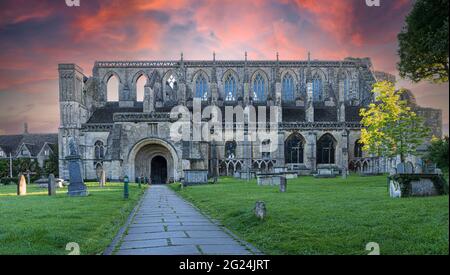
345, 87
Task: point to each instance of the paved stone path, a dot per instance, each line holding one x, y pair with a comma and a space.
165, 224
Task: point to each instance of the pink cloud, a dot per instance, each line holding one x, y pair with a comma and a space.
158, 29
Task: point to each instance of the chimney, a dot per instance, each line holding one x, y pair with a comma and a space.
25, 128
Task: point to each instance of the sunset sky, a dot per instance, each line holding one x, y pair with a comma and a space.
36, 35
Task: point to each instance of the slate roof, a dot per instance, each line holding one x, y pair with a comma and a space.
352, 113
294, 114
105, 114
290, 114
325, 114
34, 142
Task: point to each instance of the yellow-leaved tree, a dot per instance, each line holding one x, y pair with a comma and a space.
390, 127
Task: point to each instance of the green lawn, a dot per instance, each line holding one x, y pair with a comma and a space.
43, 225
327, 216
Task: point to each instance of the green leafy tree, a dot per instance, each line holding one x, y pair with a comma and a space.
438, 152
4, 168
51, 165
24, 165
424, 42
390, 127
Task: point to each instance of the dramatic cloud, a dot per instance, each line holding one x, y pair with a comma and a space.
37, 35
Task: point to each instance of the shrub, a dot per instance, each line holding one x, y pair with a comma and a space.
9, 181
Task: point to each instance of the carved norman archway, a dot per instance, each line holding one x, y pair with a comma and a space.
145, 152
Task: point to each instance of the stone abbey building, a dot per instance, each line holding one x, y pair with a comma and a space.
319, 118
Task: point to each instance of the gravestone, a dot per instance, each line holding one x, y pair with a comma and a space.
344, 173
283, 184
22, 186
394, 190
51, 185
260, 210
77, 188
103, 178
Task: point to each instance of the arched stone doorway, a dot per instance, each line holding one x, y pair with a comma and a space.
159, 170
326, 150
150, 155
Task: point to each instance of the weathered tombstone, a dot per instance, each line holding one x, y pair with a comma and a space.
409, 169
103, 178
126, 191
22, 186
283, 184
394, 189
77, 188
401, 169
51, 185
344, 173
260, 210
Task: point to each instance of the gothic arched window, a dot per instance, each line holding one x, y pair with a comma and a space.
140, 87
317, 88
288, 88
293, 149
230, 88
326, 148
258, 88
201, 88
99, 150
112, 88
358, 149
230, 149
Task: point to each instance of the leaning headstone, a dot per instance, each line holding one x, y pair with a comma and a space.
103, 178
51, 185
260, 210
22, 186
283, 184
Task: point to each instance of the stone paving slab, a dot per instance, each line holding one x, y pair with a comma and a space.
146, 229
151, 236
144, 244
163, 250
165, 224
192, 228
200, 241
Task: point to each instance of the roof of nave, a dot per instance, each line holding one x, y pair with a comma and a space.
105, 115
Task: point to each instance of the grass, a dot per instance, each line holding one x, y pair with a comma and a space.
327, 216
37, 224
